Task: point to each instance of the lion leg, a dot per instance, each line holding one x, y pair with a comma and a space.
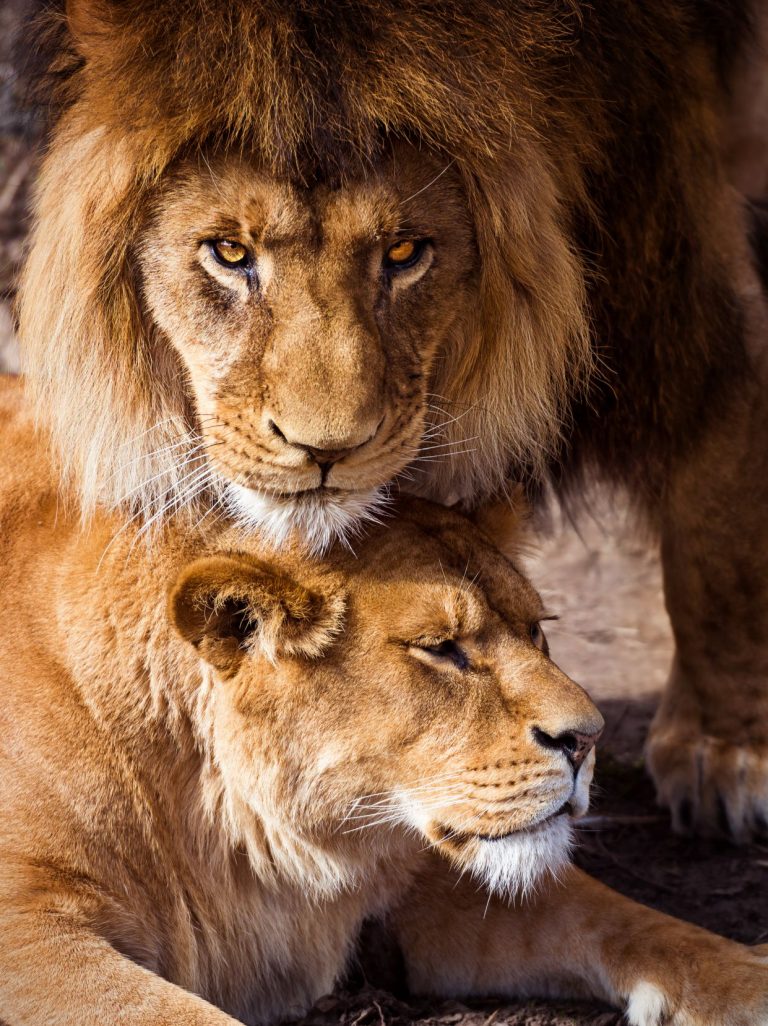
54, 971
577, 938
708, 745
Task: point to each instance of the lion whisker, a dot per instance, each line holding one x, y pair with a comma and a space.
399, 818
139, 513
431, 183
143, 485
191, 488
146, 431
451, 419
441, 457
162, 451
218, 504
443, 445
417, 787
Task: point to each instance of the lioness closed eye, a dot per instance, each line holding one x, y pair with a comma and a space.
216, 762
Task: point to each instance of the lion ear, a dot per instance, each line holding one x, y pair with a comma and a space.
227, 606
505, 521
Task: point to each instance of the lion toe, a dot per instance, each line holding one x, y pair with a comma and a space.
711, 787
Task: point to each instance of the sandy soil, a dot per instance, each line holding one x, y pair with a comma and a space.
612, 636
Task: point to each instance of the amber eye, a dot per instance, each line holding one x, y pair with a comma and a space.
229, 253
404, 253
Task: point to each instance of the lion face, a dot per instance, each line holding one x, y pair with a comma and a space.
409, 691
307, 323
197, 325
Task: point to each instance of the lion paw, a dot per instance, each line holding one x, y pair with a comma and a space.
712, 787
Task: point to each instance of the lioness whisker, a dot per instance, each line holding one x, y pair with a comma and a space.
433, 801
447, 775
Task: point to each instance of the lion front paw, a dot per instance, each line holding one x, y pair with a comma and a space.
711, 786
733, 992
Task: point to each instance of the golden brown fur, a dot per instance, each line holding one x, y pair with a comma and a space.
203, 793
587, 299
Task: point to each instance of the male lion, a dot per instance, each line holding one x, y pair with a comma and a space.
286, 253
204, 816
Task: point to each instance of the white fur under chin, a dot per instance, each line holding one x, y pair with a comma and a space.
318, 519
512, 866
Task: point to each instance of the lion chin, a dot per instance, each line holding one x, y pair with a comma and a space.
316, 518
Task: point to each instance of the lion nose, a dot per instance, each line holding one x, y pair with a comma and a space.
324, 456
574, 744
327, 457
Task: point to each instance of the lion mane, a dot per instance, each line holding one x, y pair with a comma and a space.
558, 123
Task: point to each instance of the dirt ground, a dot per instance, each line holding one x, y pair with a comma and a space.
612, 636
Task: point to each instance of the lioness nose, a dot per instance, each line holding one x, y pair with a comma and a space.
572, 743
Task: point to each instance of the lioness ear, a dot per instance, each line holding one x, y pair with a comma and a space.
505, 521
226, 606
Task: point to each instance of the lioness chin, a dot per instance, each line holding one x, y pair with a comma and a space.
215, 762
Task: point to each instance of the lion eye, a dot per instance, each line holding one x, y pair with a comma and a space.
450, 651
403, 254
229, 253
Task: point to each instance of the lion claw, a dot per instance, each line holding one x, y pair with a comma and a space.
712, 787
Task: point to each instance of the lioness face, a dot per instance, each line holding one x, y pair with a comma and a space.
407, 693
307, 322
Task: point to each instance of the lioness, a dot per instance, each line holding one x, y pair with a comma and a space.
284, 252
203, 794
